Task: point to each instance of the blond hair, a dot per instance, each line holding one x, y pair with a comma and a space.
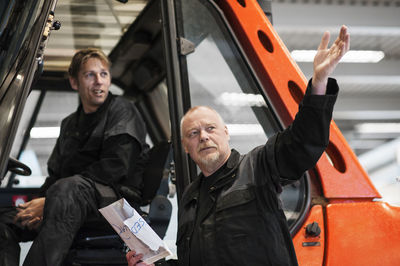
82, 56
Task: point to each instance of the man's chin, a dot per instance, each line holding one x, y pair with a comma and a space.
210, 159
99, 101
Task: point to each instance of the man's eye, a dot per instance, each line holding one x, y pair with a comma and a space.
104, 74
89, 75
193, 133
210, 128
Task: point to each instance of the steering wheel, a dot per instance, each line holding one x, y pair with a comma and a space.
18, 167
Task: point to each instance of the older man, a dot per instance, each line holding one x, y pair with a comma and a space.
231, 214
87, 169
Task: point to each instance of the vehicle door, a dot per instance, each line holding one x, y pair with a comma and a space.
206, 66
226, 54
24, 30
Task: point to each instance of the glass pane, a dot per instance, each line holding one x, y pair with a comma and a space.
55, 107
219, 77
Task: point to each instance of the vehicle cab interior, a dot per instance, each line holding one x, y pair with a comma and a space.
140, 63
175, 55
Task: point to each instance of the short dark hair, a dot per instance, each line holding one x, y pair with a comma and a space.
82, 56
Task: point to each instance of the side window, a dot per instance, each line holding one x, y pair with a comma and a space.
219, 76
38, 131
33, 147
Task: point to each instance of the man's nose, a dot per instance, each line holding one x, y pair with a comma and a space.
99, 78
203, 136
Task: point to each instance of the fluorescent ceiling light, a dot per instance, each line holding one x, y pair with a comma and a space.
241, 99
45, 132
349, 57
378, 128
245, 129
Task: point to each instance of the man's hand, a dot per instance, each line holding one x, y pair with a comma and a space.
326, 60
30, 214
133, 259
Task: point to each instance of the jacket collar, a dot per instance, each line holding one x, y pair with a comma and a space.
232, 164
192, 191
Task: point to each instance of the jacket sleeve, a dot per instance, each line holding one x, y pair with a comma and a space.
299, 147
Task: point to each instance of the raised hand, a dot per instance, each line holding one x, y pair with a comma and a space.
326, 59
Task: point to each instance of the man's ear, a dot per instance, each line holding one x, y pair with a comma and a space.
74, 83
227, 132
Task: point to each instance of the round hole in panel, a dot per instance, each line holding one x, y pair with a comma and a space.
242, 3
265, 41
335, 157
295, 91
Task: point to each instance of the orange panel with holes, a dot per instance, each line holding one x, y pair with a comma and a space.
284, 85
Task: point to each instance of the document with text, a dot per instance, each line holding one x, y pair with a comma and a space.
135, 231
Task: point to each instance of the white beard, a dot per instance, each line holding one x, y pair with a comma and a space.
210, 161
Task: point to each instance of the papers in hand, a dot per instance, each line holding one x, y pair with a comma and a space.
134, 231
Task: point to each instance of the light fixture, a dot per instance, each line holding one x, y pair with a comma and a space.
45, 132
245, 129
385, 128
356, 56
241, 99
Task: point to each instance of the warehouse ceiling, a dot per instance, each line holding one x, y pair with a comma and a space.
368, 109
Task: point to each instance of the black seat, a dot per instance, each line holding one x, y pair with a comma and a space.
97, 243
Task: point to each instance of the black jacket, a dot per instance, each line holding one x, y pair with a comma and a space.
245, 224
102, 146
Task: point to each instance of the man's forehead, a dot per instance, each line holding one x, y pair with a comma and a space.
204, 114
200, 123
93, 63
201, 117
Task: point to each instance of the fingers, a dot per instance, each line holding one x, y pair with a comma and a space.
26, 220
347, 41
343, 32
34, 223
130, 254
324, 41
21, 217
343, 41
23, 214
344, 36
23, 205
132, 258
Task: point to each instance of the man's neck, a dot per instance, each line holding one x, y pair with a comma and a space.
89, 109
207, 171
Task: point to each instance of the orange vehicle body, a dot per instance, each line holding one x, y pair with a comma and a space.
355, 228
